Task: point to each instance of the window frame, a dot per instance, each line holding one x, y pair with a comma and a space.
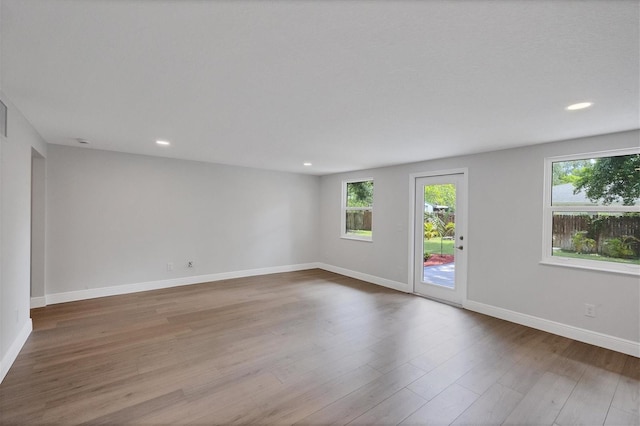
344, 209
549, 209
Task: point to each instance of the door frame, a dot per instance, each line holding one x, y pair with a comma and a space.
464, 171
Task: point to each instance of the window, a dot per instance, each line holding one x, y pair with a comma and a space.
357, 209
592, 211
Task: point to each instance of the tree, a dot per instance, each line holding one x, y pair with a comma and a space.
610, 179
569, 171
441, 195
360, 194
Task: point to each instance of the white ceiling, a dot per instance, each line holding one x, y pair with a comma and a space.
344, 84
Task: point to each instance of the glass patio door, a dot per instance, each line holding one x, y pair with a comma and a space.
440, 256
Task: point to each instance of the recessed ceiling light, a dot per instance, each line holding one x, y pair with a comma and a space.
82, 141
580, 105
307, 164
165, 143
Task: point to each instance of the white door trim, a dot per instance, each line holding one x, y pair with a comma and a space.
464, 171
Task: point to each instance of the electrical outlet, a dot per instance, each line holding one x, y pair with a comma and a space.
170, 266
190, 264
590, 310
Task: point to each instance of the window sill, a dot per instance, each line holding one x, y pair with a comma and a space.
570, 263
356, 238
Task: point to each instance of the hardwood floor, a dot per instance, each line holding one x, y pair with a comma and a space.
306, 347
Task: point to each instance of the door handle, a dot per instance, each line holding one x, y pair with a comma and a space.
460, 247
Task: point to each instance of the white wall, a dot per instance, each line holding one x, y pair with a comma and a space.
115, 219
38, 221
504, 238
15, 231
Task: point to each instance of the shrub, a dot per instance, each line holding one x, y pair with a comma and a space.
582, 243
620, 247
450, 229
430, 231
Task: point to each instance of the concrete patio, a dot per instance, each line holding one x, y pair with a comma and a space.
442, 275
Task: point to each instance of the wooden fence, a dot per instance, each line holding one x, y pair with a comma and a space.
359, 220
604, 228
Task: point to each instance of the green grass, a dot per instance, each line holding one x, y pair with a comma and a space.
360, 232
575, 255
432, 246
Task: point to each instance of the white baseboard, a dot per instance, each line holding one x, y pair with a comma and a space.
93, 293
617, 344
14, 349
38, 302
396, 285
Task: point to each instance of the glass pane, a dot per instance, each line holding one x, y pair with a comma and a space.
597, 182
360, 194
610, 237
359, 223
439, 234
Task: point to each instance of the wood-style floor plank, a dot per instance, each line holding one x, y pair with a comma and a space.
592, 396
542, 404
617, 417
368, 396
444, 408
492, 407
392, 410
627, 396
308, 347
